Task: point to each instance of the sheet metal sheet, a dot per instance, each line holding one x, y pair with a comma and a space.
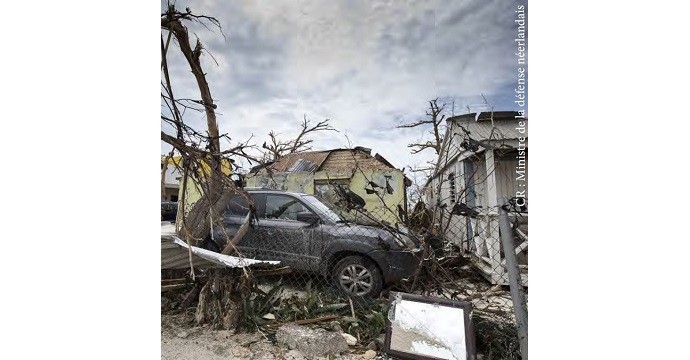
175, 255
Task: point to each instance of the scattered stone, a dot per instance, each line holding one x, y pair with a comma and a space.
269, 316
351, 340
346, 357
183, 335
239, 352
263, 356
219, 350
294, 355
335, 326
311, 343
262, 350
370, 354
247, 339
380, 340
373, 346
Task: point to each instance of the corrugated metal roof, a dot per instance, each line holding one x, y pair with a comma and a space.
315, 158
503, 127
302, 165
489, 127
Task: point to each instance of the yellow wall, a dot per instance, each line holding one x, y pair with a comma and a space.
381, 208
193, 192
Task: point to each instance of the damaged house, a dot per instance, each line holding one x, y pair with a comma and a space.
482, 162
380, 187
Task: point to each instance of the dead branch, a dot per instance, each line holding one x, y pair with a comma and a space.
277, 148
298, 143
244, 228
435, 120
308, 321
171, 21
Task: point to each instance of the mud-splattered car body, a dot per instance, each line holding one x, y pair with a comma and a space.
304, 233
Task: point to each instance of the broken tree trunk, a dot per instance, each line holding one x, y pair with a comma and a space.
197, 224
220, 298
244, 228
193, 56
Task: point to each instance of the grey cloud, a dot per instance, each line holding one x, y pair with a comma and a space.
365, 65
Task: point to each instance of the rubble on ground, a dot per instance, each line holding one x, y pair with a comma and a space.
312, 343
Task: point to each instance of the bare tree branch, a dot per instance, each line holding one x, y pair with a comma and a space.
277, 148
436, 121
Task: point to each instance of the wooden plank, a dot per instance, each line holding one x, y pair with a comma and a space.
521, 234
521, 247
173, 281
309, 321
493, 243
172, 287
491, 189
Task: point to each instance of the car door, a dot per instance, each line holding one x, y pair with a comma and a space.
281, 236
233, 217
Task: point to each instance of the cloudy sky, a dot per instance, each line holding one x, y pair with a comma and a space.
365, 65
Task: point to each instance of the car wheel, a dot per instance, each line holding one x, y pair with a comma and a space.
357, 275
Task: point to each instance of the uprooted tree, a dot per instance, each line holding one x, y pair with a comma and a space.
203, 160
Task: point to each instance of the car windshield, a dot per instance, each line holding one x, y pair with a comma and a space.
323, 208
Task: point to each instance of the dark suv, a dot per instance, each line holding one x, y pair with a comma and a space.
168, 211
306, 234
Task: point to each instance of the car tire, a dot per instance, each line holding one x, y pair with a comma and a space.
358, 276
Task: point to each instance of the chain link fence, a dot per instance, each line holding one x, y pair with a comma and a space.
338, 264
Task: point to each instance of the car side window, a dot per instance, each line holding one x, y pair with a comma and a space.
283, 207
237, 206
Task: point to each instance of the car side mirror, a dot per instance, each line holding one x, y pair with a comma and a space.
308, 217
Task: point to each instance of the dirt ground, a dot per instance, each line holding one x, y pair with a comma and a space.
181, 341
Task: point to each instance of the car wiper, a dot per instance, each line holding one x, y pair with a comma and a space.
342, 221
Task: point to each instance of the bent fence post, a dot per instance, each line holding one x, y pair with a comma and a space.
513, 278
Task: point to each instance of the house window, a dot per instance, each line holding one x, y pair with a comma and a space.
173, 198
325, 189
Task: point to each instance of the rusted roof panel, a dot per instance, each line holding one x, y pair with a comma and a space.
346, 159
333, 160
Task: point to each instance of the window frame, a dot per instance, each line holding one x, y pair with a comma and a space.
263, 214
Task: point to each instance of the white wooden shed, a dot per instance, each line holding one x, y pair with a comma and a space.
483, 160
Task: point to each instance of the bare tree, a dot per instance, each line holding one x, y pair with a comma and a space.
276, 148
435, 120
201, 152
